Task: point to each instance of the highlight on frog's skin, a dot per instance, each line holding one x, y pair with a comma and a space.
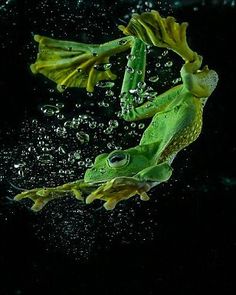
176, 114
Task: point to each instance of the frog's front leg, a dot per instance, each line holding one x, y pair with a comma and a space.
123, 188
41, 196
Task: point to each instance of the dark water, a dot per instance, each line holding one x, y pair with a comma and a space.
183, 240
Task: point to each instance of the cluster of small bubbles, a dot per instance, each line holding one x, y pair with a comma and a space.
61, 131
82, 137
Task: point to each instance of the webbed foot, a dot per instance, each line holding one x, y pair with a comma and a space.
41, 196
162, 32
117, 190
73, 64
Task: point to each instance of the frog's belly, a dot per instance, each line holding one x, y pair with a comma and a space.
181, 140
174, 130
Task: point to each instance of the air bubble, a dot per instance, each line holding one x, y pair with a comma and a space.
141, 125
109, 93
130, 70
102, 67
130, 57
105, 84
82, 137
113, 123
49, 110
122, 42
92, 125
45, 158
141, 85
168, 64
153, 79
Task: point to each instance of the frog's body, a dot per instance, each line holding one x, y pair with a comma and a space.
176, 114
175, 127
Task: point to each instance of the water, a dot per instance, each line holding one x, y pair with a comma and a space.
49, 138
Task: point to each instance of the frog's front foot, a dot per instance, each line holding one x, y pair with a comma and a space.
118, 189
41, 196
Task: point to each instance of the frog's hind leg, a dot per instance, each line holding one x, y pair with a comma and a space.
133, 88
73, 64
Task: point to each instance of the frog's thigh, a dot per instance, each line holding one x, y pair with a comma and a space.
161, 172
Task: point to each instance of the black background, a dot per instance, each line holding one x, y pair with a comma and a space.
194, 251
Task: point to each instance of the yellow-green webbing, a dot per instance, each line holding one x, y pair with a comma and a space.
73, 64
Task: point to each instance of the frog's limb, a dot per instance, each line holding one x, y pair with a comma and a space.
201, 83
72, 64
123, 188
157, 173
117, 190
41, 196
133, 86
162, 32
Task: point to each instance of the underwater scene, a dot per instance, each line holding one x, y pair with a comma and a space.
117, 147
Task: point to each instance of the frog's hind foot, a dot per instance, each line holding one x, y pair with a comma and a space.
162, 32
73, 64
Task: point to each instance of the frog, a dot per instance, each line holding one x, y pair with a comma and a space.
176, 115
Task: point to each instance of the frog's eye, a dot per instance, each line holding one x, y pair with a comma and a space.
118, 160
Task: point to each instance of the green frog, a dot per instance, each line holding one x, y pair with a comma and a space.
176, 114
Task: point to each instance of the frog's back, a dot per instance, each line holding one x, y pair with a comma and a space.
176, 128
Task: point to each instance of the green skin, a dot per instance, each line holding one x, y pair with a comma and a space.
176, 119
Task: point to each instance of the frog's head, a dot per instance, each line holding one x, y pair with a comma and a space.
115, 164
